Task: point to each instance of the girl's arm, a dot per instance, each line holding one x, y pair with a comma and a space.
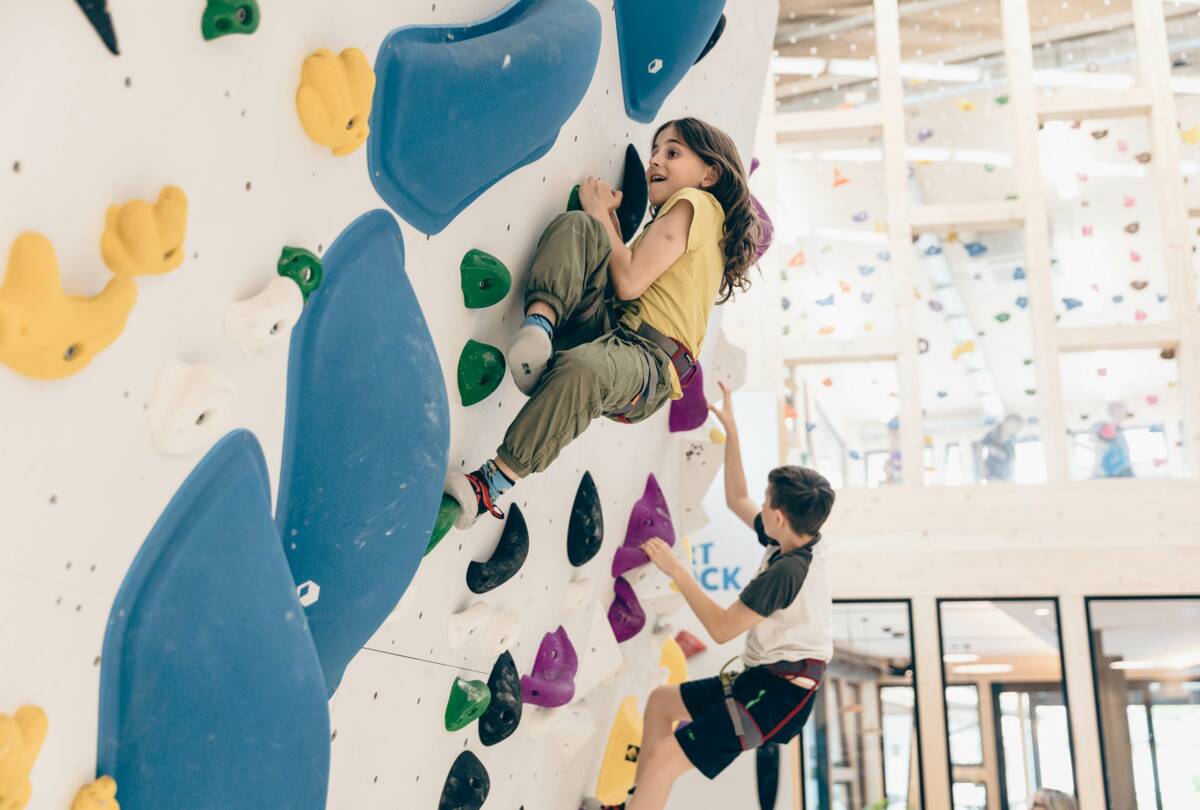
666, 238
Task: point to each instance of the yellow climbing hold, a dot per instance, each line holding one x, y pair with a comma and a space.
141, 239
21, 737
963, 348
99, 795
716, 436
44, 332
965, 105
674, 660
1191, 135
334, 99
619, 765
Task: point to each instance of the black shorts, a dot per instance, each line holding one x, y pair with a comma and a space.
778, 707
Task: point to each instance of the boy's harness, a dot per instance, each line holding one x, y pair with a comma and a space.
750, 735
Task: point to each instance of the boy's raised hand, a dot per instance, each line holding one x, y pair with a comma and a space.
664, 558
724, 414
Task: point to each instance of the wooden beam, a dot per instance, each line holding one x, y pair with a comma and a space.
1120, 338
984, 216
801, 126
806, 352
1079, 105
1018, 55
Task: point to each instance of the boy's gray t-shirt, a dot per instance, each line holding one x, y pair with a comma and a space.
792, 591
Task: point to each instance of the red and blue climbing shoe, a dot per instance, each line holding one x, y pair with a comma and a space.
473, 498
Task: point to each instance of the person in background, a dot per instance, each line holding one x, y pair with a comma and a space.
999, 446
1051, 799
1112, 451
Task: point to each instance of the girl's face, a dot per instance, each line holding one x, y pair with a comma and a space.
673, 165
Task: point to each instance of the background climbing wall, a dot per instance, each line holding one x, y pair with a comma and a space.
81, 483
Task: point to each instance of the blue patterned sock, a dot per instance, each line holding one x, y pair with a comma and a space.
497, 482
540, 321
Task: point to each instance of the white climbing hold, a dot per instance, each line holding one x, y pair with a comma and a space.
503, 632
655, 65
654, 592
267, 318
728, 365
600, 656
702, 460
192, 404
577, 594
466, 624
309, 592
572, 729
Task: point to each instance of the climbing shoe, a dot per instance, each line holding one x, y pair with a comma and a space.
528, 356
472, 496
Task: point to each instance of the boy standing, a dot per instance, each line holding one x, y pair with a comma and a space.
785, 611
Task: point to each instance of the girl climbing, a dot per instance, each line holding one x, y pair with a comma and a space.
612, 330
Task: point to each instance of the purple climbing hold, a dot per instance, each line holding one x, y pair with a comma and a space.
650, 517
767, 234
552, 682
691, 410
625, 614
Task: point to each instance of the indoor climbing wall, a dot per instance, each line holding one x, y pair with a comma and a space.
260, 259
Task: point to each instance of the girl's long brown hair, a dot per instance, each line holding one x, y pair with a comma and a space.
732, 190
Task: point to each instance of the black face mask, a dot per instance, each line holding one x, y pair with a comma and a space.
504, 712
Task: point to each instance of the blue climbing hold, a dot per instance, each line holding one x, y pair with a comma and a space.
865, 270
211, 693
365, 441
885, 256
975, 248
1022, 301
457, 108
1019, 274
933, 250
1072, 303
654, 57
827, 301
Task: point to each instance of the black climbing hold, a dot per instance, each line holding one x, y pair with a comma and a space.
503, 715
767, 770
585, 532
467, 784
506, 560
712, 41
485, 279
97, 13
635, 194
480, 371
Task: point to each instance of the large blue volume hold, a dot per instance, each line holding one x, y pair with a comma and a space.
655, 54
457, 108
211, 694
365, 442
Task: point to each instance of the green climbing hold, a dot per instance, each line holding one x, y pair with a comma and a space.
573, 203
480, 370
485, 279
1001, 100
223, 17
1028, 361
303, 267
468, 700
1002, 317
1030, 392
447, 514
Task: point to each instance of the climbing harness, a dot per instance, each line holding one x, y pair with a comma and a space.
750, 735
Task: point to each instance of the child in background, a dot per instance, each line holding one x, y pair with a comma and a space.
614, 331
786, 613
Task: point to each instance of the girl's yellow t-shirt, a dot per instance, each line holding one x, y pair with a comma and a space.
679, 301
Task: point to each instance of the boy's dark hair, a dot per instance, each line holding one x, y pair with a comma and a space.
742, 226
804, 497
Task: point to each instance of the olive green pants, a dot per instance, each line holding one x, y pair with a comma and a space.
599, 365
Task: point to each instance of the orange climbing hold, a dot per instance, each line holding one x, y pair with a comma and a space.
141, 239
44, 332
